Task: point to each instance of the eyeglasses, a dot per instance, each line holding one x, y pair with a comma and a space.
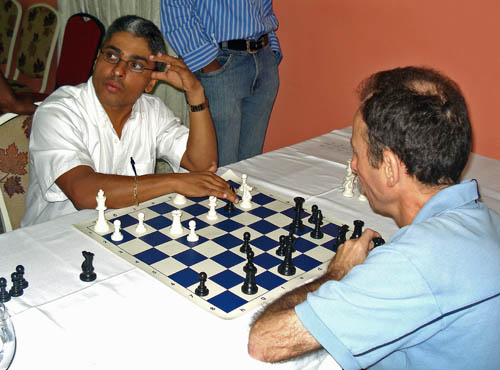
113, 58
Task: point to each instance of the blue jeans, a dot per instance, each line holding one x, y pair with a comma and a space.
241, 95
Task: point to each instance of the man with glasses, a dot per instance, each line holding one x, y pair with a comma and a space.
106, 134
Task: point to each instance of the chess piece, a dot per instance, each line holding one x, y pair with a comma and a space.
88, 273
212, 213
341, 237
180, 199
4, 294
249, 264
358, 229
229, 207
249, 285
117, 236
246, 242
377, 242
348, 182
202, 290
17, 285
101, 226
297, 224
314, 213
362, 197
140, 229
246, 199
244, 185
281, 249
317, 233
20, 272
290, 240
286, 267
192, 236
176, 227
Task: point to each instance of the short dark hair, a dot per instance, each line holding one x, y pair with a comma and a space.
421, 116
139, 27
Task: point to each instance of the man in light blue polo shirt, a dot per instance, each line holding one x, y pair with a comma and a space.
430, 297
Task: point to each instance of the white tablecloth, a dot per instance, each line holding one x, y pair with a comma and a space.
128, 320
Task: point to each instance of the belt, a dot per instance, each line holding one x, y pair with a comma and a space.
252, 46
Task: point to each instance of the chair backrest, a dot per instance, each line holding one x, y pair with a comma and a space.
82, 37
38, 38
14, 169
10, 19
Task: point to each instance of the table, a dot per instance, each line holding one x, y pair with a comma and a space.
127, 319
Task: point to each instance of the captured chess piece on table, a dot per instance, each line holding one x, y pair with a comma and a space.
88, 273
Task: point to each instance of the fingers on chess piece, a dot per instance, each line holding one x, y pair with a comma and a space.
377, 242
4, 294
117, 236
230, 207
192, 236
358, 229
88, 273
202, 289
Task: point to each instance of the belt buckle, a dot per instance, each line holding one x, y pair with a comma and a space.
249, 47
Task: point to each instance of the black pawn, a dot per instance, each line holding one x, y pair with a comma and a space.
378, 241
358, 229
246, 243
297, 224
20, 272
4, 294
314, 210
286, 267
202, 289
17, 285
281, 249
249, 285
229, 207
88, 273
317, 233
290, 240
249, 265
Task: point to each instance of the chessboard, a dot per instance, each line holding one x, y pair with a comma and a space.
179, 263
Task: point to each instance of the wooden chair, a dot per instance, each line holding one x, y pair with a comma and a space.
10, 19
14, 168
37, 42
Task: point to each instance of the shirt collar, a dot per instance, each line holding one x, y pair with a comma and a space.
449, 198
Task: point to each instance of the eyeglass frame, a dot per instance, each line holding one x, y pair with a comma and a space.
120, 59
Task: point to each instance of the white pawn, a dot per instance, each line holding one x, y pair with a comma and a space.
192, 237
176, 228
179, 199
246, 199
117, 235
140, 229
101, 225
362, 195
212, 203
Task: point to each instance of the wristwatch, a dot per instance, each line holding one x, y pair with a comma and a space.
199, 107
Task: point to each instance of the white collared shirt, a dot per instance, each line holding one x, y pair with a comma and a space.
71, 128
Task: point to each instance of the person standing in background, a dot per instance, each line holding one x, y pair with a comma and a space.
232, 48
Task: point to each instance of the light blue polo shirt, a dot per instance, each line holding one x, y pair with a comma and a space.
427, 299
